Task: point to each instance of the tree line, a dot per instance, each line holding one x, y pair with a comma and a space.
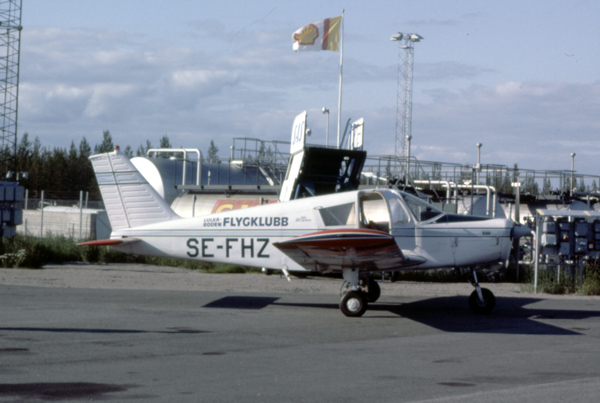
63, 172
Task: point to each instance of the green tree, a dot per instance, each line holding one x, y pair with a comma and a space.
164, 142
269, 155
506, 187
36, 166
24, 154
141, 151
72, 169
547, 187
84, 149
213, 152
128, 151
107, 144
262, 151
85, 177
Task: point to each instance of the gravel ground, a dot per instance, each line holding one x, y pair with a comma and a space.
147, 277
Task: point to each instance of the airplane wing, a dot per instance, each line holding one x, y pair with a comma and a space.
369, 250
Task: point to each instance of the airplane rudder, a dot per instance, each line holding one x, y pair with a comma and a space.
129, 199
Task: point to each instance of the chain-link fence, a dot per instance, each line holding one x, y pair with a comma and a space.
78, 219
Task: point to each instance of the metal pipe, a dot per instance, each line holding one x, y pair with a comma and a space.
184, 151
448, 185
489, 190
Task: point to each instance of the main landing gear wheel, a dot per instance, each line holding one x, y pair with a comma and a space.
373, 290
368, 286
482, 305
353, 304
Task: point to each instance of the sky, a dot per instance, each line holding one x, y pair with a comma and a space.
521, 77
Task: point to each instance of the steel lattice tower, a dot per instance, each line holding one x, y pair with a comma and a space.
10, 44
404, 93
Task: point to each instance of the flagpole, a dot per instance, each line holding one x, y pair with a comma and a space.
341, 66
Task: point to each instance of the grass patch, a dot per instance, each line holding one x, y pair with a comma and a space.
434, 275
32, 252
570, 280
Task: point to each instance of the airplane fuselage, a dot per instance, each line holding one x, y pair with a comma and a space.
248, 236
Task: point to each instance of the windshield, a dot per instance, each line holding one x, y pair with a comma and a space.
399, 214
421, 210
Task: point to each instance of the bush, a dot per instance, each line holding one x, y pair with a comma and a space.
591, 280
571, 280
10, 259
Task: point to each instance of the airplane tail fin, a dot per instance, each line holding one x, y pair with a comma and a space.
129, 199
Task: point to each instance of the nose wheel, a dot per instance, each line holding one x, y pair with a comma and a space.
481, 301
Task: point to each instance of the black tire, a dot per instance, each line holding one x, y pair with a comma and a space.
374, 290
353, 304
485, 307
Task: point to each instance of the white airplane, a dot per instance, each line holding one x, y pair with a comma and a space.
355, 233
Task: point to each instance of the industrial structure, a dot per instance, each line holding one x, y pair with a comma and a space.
11, 193
404, 94
10, 44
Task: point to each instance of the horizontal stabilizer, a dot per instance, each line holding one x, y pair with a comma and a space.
108, 242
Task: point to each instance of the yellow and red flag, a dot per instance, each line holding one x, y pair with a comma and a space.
319, 35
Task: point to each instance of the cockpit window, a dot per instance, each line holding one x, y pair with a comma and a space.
374, 212
421, 210
399, 214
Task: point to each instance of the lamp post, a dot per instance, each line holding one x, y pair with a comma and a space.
404, 90
572, 171
325, 110
408, 139
478, 160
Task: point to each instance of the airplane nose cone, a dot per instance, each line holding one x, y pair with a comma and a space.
520, 230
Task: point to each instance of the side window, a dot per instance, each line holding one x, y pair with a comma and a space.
342, 214
374, 212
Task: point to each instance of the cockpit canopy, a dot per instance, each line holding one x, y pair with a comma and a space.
381, 210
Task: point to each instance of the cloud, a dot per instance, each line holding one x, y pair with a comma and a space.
105, 97
77, 83
534, 124
432, 22
444, 71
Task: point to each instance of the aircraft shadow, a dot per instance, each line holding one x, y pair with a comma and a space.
241, 302
452, 314
100, 330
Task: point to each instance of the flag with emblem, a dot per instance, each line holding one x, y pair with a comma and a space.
320, 35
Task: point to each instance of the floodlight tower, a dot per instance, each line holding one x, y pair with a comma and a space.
10, 45
404, 93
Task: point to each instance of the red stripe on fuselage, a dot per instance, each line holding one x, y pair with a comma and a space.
102, 242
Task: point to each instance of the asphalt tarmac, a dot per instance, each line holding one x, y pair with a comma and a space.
86, 344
